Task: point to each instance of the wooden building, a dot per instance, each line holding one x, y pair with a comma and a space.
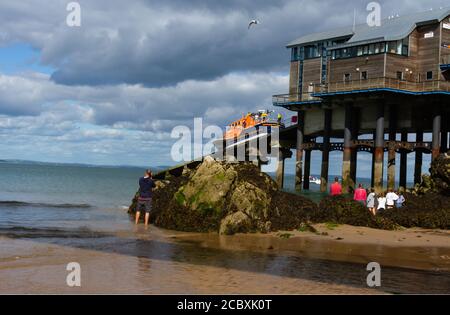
387, 81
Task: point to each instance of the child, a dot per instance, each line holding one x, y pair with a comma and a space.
381, 203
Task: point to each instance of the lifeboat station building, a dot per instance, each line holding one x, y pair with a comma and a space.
370, 87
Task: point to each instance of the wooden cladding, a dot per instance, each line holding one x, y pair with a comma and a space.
428, 49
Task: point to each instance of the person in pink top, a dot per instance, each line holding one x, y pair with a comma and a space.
336, 188
360, 194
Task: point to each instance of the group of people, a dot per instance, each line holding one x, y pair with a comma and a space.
376, 203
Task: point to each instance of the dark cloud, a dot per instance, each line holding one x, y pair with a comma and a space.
160, 43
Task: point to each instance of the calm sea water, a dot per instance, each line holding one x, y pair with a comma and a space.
61, 196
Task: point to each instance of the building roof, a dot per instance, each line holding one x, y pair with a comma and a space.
391, 29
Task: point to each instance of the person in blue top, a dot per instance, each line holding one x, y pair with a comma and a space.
144, 204
400, 201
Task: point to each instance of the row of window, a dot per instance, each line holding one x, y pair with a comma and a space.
400, 76
314, 50
400, 47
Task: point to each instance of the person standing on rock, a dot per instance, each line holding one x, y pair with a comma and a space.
336, 188
146, 185
391, 198
371, 201
360, 195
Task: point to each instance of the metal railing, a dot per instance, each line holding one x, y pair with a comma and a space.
316, 91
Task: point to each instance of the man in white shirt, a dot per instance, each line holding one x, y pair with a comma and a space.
391, 198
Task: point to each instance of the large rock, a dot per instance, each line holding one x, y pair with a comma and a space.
227, 198
439, 179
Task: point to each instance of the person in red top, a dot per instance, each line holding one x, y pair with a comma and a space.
360, 194
336, 188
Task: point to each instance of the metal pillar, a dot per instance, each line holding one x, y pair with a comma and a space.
307, 169
326, 150
379, 150
299, 153
391, 152
419, 160
346, 163
403, 162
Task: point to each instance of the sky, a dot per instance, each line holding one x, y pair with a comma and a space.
111, 91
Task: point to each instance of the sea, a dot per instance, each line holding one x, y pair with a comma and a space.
53, 214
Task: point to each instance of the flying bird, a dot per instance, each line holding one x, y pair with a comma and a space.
253, 22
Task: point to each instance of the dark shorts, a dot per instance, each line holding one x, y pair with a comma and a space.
144, 206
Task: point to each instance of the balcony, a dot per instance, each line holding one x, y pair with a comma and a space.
319, 91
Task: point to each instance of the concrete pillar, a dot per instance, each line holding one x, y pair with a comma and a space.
348, 138
391, 152
418, 161
354, 155
379, 150
280, 169
299, 152
326, 150
436, 148
307, 169
403, 162
444, 135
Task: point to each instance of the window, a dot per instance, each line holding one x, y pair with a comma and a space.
294, 56
399, 75
430, 75
347, 77
364, 75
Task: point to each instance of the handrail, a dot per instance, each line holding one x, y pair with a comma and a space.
356, 85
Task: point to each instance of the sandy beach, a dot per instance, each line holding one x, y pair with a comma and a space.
160, 261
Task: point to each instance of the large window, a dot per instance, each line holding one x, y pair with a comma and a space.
400, 47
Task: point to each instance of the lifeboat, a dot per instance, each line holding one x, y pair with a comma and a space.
249, 127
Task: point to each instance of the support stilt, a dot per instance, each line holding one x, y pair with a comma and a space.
391, 152
436, 148
418, 161
354, 155
379, 150
307, 169
326, 150
346, 163
403, 162
299, 152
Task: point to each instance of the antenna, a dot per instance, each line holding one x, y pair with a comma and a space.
354, 20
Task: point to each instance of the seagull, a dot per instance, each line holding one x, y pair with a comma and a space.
253, 22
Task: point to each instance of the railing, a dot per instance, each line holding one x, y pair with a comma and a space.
319, 90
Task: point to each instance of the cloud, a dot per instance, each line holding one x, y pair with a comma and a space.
162, 43
135, 69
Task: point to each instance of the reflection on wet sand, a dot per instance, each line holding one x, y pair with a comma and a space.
158, 261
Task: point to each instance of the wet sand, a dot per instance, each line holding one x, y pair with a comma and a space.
159, 261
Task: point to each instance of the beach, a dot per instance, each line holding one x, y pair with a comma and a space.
157, 261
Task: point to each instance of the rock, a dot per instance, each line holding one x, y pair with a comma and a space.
237, 222
227, 198
439, 179
343, 210
208, 186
